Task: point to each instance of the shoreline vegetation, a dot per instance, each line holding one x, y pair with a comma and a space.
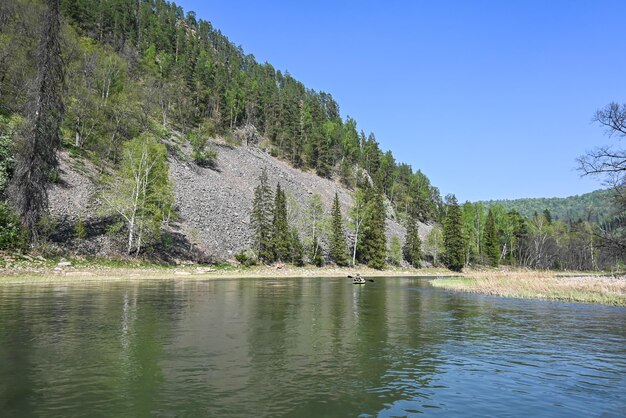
586, 287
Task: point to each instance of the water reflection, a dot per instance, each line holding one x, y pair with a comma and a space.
304, 347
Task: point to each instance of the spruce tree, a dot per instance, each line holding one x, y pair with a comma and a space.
492, 243
280, 229
296, 249
453, 239
413, 245
337, 251
374, 242
261, 219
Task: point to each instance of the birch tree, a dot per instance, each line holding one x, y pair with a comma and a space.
357, 214
141, 193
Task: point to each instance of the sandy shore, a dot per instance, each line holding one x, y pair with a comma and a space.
32, 273
563, 286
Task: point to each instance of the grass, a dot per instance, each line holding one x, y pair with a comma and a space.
586, 288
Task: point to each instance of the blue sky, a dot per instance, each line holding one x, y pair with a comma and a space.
490, 99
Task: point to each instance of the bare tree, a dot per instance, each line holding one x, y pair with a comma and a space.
609, 162
37, 150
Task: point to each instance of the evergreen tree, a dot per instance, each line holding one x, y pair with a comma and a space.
296, 249
412, 245
491, 240
37, 152
337, 251
453, 239
280, 229
374, 242
261, 218
548, 216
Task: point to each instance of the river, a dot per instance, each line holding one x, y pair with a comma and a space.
306, 347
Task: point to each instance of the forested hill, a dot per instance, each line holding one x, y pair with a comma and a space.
135, 66
591, 207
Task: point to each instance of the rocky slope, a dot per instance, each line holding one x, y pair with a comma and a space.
213, 205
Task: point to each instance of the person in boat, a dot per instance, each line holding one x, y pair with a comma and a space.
358, 277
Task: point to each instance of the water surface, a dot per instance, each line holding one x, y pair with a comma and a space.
304, 348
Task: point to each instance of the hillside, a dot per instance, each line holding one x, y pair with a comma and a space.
593, 207
148, 74
213, 205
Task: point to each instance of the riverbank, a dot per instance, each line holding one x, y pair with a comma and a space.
570, 287
34, 270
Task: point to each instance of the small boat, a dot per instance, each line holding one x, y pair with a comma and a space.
358, 280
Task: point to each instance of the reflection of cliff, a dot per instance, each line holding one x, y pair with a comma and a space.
305, 347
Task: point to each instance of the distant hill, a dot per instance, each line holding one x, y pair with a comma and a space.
593, 207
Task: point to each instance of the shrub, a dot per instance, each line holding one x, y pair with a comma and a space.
246, 258
12, 235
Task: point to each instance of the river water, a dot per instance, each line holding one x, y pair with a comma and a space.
304, 348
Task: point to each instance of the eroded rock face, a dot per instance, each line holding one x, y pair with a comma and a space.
213, 206
216, 204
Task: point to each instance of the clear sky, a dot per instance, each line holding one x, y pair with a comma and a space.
491, 99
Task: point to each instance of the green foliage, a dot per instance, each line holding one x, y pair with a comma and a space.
434, 244
141, 193
453, 238
8, 128
413, 245
337, 251
280, 230
261, 218
395, 251
246, 258
357, 216
80, 231
12, 235
203, 154
372, 248
316, 254
596, 207
296, 249
492, 240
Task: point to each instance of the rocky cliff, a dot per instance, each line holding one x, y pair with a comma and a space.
213, 205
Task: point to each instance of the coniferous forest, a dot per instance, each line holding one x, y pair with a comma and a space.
122, 76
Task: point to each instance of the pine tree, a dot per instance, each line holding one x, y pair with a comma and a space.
280, 229
413, 245
337, 251
492, 243
453, 239
261, 218
374, 242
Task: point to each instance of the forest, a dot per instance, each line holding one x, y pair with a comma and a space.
125, 75
597, 206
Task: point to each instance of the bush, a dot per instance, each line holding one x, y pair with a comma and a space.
203, 154
80, 230
246, 258
12, 235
